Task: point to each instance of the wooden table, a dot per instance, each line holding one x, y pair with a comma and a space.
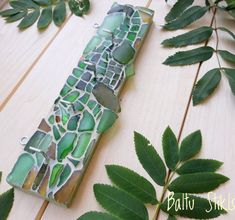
34, 67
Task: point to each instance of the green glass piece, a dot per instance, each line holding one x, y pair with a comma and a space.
74, 162
77, 72
143, 30
40, 158
65, 90
93, 43
73, 123
106, 97
89, 87
110, 23
45, 143
39, 176
71, 80
21, 170
84, 98
136, 14
121, 34
131, 36
56, 171
87, 123
91, 104
124, 53
71, 97
82, 144
96, 110
106, 121
82, 65
34, 141
103, 64
78, 106
56, 133
135, 28
65, 145
62, 130
64, 175
135, 21
51, 119
100, 71
130, 70
64, 115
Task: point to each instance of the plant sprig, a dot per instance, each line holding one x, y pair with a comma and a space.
180, 17
6, 202
43, 11
178, 173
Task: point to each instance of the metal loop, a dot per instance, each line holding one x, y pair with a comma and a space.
24, 140
96, 25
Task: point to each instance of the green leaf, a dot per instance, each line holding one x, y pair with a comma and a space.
120, 203
170, 148
150, 159
191, 145
202, 208
188, 17
23, 4
227, 31
226, 55
132, 183
0, 177
29, 19
199, 165
230, 74
178, 9
43, 2
79, 7
59, 13
206, 86
6, 202
45, 18
192, 37
171, 217
9, 12
197, 182
190, 57
97, 216
16, 17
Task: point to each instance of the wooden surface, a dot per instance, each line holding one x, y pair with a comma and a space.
34, 67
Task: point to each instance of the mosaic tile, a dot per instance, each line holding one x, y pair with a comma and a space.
56, 155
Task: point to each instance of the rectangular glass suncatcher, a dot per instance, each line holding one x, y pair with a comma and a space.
55, 157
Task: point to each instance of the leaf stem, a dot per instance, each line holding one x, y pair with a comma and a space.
217, 42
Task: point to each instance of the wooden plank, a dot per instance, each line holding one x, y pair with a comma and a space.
156, 97
20, 50
216, 119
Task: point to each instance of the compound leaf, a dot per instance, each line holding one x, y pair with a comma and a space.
132, 182
188, 17
190, 57
170, 148
150, 159
199, 165
120, 203
178, 9
192, 37
190, 145
206, 86
197, 182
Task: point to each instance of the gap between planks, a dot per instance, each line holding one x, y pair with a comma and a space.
22, 79
45, 203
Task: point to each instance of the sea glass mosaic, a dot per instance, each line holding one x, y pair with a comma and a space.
56, 156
